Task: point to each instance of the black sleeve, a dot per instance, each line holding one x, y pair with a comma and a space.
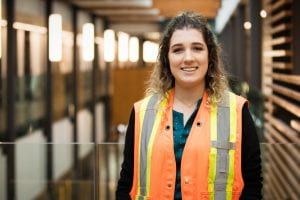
126, 175
251, 162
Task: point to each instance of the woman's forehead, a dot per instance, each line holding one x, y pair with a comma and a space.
187, 35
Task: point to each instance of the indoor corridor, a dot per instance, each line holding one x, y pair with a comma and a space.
71, 71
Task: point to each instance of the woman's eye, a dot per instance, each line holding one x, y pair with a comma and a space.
177, 50
198, 48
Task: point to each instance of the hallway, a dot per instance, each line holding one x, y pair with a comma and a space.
71, 70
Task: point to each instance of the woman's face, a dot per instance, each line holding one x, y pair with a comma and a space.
188, 58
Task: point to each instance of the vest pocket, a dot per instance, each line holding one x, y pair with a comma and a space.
204, 196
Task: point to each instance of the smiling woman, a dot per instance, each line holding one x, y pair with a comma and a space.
190, 138
188, 57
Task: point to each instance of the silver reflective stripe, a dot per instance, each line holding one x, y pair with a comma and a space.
140, 197
148, 123
223, 145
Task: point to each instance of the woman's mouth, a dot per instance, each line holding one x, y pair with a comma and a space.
189, 69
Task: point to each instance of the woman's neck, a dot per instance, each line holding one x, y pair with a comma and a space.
186, 99
189, 96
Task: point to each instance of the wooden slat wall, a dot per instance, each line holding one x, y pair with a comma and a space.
282, 106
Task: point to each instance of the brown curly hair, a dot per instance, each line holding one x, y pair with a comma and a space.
162, 80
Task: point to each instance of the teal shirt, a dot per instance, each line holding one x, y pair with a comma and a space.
180, 135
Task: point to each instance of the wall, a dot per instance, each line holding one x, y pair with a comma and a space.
128, 87
281, 86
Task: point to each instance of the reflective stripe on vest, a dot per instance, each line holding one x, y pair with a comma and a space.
150, 118
222, 151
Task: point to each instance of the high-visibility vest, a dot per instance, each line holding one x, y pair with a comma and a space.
211, 160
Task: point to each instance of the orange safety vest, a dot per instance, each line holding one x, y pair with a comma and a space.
211, 160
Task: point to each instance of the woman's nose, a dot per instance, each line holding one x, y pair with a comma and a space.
188, 56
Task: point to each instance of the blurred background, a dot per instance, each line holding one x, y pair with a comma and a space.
71, 70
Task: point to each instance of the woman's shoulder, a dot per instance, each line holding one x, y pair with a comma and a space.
143, 100
229, 95
151, 101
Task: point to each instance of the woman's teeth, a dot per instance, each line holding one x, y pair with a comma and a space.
189, 69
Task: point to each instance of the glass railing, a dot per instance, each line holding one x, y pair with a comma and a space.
59, 171
89, 171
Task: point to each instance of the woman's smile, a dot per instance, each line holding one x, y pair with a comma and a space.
189, 69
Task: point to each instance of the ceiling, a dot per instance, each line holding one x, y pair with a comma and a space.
140, 16
146, 10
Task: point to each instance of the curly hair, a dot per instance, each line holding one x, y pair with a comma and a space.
162, 80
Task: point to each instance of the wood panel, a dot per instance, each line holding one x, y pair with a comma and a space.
279, 28
279, 138
292, 79
279, 53
293, 94
128, 87
291, 107
295, 124
275, 168
281, 40
280, 65
281, 15
282, 105
279, 4
285, 130
208, 8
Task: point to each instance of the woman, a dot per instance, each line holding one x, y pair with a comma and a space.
190, 138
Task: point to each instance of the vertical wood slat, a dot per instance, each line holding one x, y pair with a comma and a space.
11, 68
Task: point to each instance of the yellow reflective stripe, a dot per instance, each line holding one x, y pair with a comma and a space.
230, 175
233, 129
142, 116
213, 151
143, 111
151, 140
212, 171
213, 123
232, 102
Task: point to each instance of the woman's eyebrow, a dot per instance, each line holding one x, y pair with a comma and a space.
180, 44
198, 43
176, 45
